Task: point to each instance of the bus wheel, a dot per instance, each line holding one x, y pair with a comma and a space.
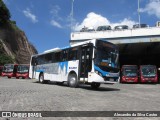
9, 77
95, 85
17, 77
72, 80
41, 78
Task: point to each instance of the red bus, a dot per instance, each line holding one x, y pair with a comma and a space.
148, 73
22, 71
129, 73
9, 70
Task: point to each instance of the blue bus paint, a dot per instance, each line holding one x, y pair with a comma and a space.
46, 68
62, 64
112, 64
104, 73
39, 70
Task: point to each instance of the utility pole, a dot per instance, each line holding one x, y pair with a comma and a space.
139, 18
72, 15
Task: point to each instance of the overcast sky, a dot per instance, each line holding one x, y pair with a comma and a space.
47, 22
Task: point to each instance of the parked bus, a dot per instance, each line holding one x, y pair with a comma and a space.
92, 62
148, 73
9, 70
129, 73
22, 71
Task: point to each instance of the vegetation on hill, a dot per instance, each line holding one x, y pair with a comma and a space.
4, 13
5, 59
14, 45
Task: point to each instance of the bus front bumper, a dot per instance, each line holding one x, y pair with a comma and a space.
7, 74
94, 77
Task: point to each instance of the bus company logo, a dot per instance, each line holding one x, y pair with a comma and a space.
72, 67
6, 114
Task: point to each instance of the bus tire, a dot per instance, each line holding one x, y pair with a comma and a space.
41, 78
95, 85
72, 80
17, 77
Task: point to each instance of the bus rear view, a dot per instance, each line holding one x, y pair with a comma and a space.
148, 73
129, 73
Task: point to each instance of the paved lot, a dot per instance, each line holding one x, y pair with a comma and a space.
28, 95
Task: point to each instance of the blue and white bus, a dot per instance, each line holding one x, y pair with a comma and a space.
92, 62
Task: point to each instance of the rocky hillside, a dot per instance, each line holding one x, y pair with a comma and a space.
13, 41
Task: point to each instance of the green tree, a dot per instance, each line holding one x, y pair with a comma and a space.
4, 59
4, 13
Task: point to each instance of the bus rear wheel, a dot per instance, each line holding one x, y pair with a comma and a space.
95, 85
41, 79
72, 80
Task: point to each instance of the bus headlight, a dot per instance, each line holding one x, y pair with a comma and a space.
100, 74
96, 71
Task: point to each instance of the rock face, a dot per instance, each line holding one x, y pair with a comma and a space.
13, 42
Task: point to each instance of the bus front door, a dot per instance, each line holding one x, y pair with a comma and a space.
85, 61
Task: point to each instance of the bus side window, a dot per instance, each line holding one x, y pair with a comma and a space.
64, 55
40, 60
48, 58
34, 61
72, 55
57, 56
53, 57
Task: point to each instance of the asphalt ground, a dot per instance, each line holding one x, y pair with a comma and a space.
29, 95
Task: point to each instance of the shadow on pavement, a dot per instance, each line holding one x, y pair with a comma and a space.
82, 86
105, 89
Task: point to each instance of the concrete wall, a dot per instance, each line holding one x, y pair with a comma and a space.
151, 34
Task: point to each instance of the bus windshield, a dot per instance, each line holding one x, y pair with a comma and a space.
22, 68
8, 68
149, 71
130, 72
106, 55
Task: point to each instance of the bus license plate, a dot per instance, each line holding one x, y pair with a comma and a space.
111, 80
131, 81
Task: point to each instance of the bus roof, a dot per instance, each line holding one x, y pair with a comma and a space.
57, 49
84, 42
51, 50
